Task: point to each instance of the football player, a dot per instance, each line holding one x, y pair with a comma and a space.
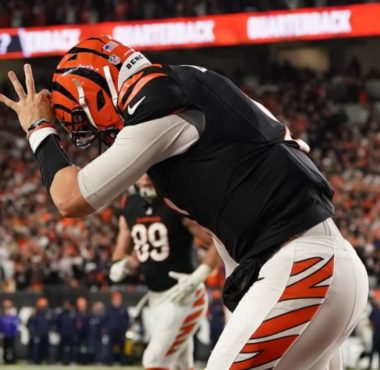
295, 285
163, 245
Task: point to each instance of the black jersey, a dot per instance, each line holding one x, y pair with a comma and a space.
241, 179
160, 240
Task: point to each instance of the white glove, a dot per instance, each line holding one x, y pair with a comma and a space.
187, 283
120, 269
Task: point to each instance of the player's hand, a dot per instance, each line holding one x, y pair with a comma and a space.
120, 269
187, 283
31, 106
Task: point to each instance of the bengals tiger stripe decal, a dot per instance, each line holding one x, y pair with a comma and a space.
307, 288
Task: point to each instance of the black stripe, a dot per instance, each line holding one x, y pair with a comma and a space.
62, 107
87, 73
95, 38
91, 51
58, 87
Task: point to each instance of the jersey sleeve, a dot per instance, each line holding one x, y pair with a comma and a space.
149, 95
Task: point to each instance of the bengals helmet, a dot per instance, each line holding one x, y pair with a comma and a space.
86, 85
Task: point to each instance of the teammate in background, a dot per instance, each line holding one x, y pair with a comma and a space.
66, 328
82, 319
116, 323
9, 324
226, 162
39, 326
163, 243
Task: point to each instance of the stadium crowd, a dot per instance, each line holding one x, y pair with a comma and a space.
21, 13
336, 113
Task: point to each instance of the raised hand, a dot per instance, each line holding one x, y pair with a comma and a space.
31, 106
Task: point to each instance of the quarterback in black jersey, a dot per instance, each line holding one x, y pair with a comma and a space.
223, 160
163, 244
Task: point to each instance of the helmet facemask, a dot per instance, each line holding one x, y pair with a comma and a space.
83, 134
88, 131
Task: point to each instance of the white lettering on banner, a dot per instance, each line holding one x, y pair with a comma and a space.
173, 33
48, 41
5, 40
301, 24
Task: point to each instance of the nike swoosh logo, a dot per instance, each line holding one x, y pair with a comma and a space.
132, 109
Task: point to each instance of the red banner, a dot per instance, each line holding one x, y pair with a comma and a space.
221, 30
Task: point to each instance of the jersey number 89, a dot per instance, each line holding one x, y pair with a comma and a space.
151, 241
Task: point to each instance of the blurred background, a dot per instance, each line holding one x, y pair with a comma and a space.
314, 64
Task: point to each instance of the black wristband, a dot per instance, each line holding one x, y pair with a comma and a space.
37, 123
51, 158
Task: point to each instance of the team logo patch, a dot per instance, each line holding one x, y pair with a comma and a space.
110, 46
114, 59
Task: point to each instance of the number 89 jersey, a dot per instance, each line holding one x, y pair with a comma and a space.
161, 241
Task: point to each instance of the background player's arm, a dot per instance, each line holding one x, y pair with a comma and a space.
124, 246
122, 263
204, 238
188, 283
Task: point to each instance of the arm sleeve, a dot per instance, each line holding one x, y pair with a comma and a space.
135, 150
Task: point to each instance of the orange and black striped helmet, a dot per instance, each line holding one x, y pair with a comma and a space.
85, 88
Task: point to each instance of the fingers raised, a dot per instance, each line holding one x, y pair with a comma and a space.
29, 80
8, 102
16, 84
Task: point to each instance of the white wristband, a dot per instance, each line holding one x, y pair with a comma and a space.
38, 136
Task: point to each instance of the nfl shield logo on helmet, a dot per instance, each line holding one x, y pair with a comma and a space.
110, 46
114, 59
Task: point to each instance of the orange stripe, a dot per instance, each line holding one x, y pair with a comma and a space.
179, 341
286, 321
171, 351
193, 316
148, 219
140, 84
199, 292
200, 301
126, 85
303, 265
185, 330
306, 288
268, 351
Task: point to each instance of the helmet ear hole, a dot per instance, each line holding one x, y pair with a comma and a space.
100, 100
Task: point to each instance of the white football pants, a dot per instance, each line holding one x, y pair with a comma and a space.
296, 317
172, 328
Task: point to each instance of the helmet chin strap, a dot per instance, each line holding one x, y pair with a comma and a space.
83, 102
